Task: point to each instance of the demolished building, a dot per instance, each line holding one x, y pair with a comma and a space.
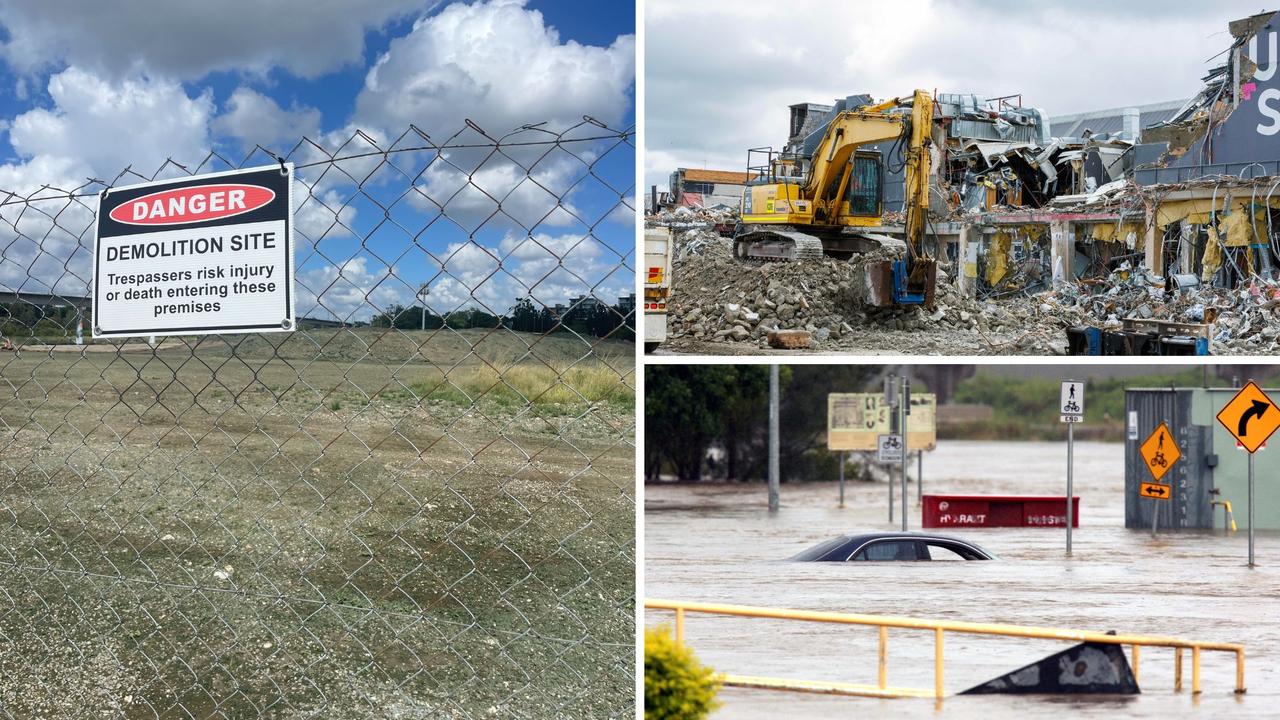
1161, 219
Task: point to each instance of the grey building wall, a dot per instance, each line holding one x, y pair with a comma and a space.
1210, 462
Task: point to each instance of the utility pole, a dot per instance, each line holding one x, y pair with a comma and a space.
423, 291
773, 438
906, 411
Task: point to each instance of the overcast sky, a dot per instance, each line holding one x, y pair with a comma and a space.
720, 74
88, 89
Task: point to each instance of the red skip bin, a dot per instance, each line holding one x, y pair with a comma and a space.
968, 511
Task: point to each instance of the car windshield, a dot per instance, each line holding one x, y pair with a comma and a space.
817, 551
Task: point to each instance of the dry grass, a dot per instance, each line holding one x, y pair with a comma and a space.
558, 386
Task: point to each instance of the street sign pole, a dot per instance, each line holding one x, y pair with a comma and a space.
906, 410
1071, 409
919, 477
841, 477
773, 438
891, 399
1250, 509
1252, 417
1155, 516
1071, 443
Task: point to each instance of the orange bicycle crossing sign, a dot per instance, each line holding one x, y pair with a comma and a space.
1251, 417
1160, 452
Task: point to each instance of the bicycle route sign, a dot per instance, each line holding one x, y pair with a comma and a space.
889, 448
200, 255
1071, 407
1159, 451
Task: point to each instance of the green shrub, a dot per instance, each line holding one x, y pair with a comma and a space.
676, 685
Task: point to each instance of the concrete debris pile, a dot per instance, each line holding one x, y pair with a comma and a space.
1241, 320
685, 217
723, 299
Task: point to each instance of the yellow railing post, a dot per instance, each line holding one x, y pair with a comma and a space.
1177, 669
1195, 669
937, 663
939, 627
884, 655
1240, 671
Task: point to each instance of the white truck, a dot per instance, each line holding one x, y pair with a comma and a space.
657, 285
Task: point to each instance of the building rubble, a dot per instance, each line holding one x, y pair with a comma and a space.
722, 300
1171, 228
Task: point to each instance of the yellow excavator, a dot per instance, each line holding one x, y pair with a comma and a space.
822, 202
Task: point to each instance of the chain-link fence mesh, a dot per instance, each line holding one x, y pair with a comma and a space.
419, 504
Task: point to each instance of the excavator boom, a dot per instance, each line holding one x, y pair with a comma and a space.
828, 201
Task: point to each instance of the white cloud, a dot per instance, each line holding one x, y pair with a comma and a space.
348, 290
256, 119
321, 214
99, 127
704, 109
45, 245
188, 40
498, 64
549, 268
528, 198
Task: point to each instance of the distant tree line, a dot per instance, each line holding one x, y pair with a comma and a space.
711, 421
23, 320
585, 318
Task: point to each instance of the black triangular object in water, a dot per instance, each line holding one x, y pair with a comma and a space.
1099, 668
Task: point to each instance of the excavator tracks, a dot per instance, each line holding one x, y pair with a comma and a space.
777, 243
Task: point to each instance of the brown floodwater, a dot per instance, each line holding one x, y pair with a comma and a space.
720, 544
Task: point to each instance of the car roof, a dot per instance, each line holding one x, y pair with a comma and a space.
909, 535
849, 543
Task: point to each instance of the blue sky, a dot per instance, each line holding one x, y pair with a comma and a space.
86, 90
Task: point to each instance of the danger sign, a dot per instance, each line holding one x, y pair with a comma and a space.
197, 256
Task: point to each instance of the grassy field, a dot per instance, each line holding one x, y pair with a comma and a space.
321, 524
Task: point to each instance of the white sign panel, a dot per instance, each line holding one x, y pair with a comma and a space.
1072, 401
199, 255
856, 420
889, 448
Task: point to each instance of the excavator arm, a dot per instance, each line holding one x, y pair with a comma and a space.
788, 217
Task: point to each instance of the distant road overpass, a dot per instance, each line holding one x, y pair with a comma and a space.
83, 302
47, 299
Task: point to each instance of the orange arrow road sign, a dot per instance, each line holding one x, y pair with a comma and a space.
1251, 416
1155, 490
1160, 452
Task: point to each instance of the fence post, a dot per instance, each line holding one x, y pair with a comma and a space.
1177, 669
884, 655
937, 663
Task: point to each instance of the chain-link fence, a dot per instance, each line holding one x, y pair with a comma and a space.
419, 504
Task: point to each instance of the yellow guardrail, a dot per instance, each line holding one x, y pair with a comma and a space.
1228, 518
939, 627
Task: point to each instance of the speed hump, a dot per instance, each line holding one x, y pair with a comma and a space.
1159, 452
1251, 417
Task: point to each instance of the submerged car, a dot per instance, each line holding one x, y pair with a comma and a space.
900, 546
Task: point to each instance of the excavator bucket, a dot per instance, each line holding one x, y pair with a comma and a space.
890, 283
